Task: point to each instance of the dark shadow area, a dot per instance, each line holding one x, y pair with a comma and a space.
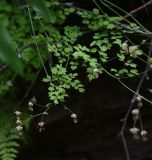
100, 112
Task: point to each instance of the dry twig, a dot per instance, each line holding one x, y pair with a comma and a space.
121, 134
119, 24
138, 9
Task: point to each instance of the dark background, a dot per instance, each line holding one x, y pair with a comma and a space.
100, 112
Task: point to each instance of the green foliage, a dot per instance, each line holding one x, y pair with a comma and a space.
61, 44
66, 53
7, 52
41, 8
8, 143
9, 138
5, 83
60, 82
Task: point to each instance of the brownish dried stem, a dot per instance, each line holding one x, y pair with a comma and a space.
121, 134
137, 31
138, 9
119, 24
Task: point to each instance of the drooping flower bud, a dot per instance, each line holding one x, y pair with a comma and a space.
33, 100
74, 117
18, 113
134, 131
143, 134
96, 73
132, 49
135, 111
18, 122
30, 104
139, 104
41, 126
138, 99
19, 128
135, 114
75, 121
125, 47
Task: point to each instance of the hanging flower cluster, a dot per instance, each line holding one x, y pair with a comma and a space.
136, 132
19, 126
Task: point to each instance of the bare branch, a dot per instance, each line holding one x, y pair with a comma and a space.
138, 9
3, 67
138, 31
121, 134
119, 24
21, 50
